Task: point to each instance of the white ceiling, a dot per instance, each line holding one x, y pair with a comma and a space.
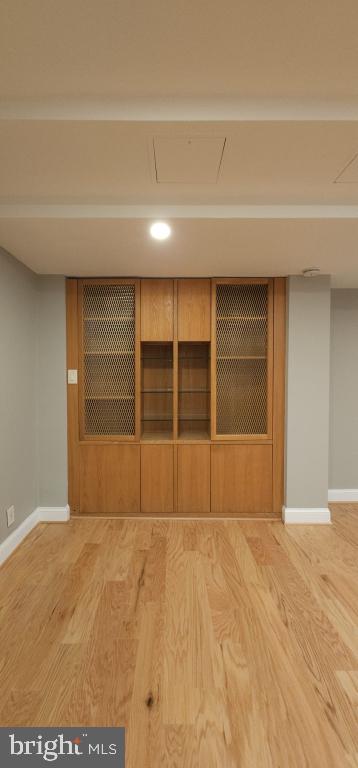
111, 48
113, 162
267, 93
198, 247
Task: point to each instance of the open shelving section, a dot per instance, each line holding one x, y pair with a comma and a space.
157, 390
194, 390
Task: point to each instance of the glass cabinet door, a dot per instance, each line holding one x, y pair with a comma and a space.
108, 358
243, 328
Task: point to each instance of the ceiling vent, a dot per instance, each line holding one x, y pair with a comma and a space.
188, 159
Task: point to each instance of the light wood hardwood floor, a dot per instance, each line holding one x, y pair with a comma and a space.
218, 645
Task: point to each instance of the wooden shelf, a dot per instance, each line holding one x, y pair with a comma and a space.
241, 357
193, 434
109, 319
111, 352
109, 397
235, 318
194, 391
194, 417
162, 358
157, 418
156, 436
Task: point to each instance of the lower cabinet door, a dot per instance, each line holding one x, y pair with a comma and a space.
157, 479
241, 479
109, 479
193, 479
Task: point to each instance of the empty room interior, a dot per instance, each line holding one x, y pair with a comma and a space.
179, 383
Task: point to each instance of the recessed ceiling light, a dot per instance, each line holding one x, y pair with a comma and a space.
160, 230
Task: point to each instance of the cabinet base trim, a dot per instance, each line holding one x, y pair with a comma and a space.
239, 516
306, 515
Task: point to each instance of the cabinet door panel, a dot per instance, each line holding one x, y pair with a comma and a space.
194, 310
157, 479
109, 479
157, 310
241, 479
194, 479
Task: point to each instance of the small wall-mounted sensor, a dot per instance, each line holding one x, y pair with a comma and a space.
311, 272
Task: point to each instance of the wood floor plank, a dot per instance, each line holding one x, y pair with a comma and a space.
228, 644
342, 618
287, 676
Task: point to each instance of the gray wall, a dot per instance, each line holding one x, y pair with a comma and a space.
18, 365
307, 415
343, 465
51, 391
33, 453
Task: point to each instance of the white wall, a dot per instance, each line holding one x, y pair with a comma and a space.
33, 452
307, 413
343, 464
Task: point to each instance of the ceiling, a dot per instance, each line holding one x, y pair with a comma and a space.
236, 121
111, 48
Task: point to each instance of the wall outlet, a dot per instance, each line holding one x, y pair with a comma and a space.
10, 514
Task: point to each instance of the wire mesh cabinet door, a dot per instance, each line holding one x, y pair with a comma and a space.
242, 359
108, 359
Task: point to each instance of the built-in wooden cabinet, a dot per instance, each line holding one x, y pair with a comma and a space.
179, 403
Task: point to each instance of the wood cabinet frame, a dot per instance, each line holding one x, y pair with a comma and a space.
72, 396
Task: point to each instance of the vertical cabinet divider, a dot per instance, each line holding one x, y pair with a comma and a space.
175, 360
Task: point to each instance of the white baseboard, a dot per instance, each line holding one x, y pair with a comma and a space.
39, 515
306, 516
53, 514
347, 495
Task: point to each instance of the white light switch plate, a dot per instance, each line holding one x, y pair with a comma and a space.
72, 376
10, 515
